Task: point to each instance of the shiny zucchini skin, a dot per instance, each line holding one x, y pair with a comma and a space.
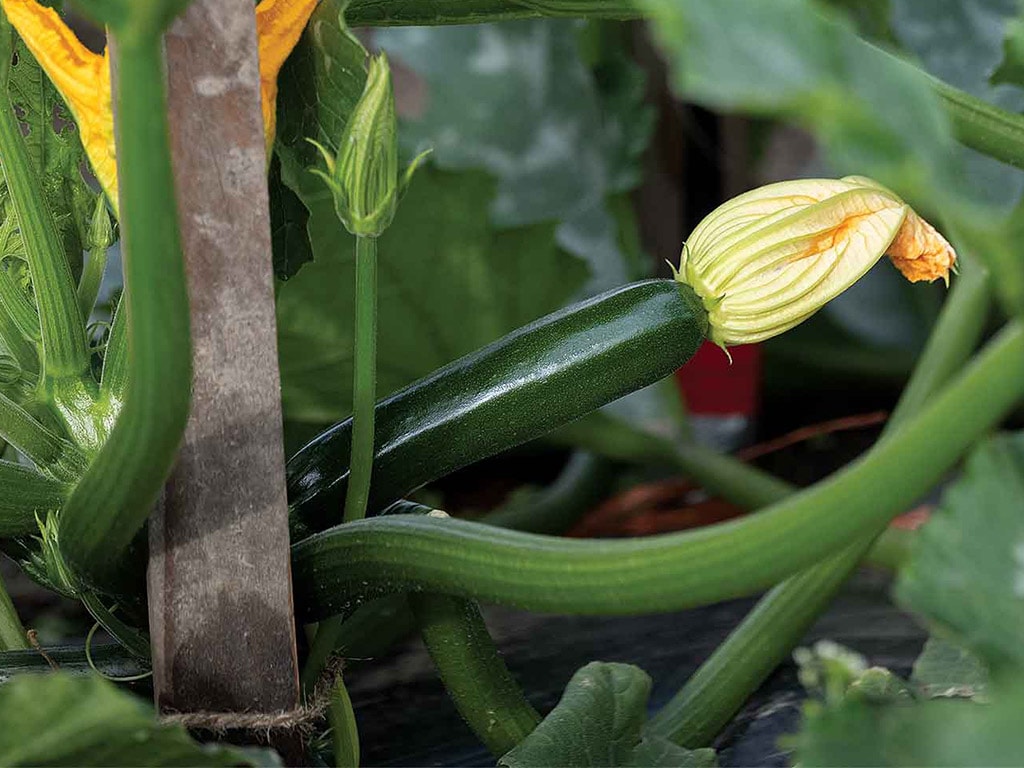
535, 379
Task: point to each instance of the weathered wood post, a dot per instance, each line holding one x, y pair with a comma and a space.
220, 602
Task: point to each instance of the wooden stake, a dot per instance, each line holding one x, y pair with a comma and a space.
220, 599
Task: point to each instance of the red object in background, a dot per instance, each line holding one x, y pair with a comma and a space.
722, 399
712, 386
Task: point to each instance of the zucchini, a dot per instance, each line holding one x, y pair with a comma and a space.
537, 378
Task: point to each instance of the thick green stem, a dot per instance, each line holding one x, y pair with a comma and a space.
475, 676
344, 732
55, 456
114, 498
718, 689
12, 633
65, 350
672, 571
364, 379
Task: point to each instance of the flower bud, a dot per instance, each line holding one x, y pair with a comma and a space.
363, 177
101, 234
769, 259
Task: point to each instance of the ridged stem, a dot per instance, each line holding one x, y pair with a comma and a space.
671, 571
112, 501
479, 683
695, 715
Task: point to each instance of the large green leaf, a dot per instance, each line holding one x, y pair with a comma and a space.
599, 722
966, 571
448, 284
517, 100
790, 58
960, 42
61, 720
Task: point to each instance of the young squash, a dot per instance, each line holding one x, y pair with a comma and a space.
537, 378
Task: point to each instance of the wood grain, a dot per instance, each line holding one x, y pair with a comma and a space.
219, 577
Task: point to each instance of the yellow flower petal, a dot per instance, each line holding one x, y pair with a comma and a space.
921, 253
279, 25
82, 78
769, 259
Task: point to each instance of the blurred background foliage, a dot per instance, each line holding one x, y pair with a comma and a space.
571, 157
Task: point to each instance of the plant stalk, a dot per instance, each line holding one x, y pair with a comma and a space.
479, 683
114, 498
695, 715
364, 379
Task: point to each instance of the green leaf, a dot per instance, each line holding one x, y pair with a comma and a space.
792, 59
516, 99
58, 719
945, 670
320, 85
1011, 70
448, 284
966, 571
54, 149
599, 722
940, 732
960, 42
289, 219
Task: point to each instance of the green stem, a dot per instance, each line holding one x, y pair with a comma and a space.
364, 379
475, 676
344, 731
383, 13
983, 126
26, 494
672, 571
65, 350
364, 401
114, 380
114, 498
581, 485
54, 455
12, 633
718, 689
92, 277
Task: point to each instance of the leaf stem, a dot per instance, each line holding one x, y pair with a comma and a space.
738, 666
479, 683
344, 731
12, 632
364, 379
